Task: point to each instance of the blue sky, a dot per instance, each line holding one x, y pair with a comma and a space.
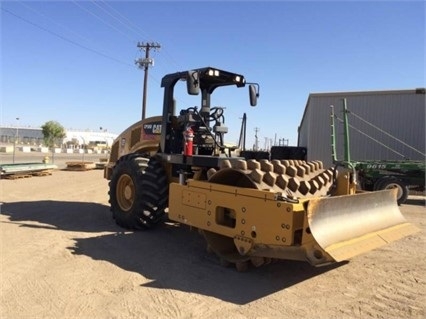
73, 61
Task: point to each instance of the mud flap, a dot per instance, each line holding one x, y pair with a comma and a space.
346, 226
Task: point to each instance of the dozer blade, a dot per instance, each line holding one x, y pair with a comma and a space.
346, 226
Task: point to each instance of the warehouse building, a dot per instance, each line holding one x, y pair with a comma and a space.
74, 139
384, 125
30, 136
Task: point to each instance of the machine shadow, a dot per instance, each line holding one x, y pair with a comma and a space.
174, 257
61, 215
170, 256
416, 201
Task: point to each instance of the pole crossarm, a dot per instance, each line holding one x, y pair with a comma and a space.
145, 63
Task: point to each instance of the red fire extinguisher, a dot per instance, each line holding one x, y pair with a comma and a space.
188, 138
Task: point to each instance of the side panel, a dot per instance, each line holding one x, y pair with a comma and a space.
141, 137
319, 230
258, 224
232, 211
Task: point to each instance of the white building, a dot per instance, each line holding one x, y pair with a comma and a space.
73, 139
89, 139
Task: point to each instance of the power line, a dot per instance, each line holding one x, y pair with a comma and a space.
130, 25
65, 39
55, 22
102, 20
116, 15
136, 29
76, 33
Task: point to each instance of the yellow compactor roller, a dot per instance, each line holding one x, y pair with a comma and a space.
249, 211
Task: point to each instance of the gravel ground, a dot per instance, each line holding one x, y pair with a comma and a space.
62, 256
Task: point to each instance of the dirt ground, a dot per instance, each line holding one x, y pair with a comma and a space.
62, 256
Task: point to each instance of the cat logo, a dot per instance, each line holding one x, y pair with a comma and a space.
156, 129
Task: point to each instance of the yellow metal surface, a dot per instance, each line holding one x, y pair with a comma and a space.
346, 226
350, 248
345, 184
135, 140
242, 222
233, 211
194, 199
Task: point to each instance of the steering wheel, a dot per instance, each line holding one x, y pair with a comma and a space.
216, 112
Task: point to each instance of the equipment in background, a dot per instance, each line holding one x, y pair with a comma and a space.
373, 175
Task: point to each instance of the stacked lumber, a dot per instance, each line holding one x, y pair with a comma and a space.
25, 170
27, 175
80, 166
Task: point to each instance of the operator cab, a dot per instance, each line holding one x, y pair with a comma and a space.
206, 124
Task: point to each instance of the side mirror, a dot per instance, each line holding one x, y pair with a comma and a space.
254, 94
192, 83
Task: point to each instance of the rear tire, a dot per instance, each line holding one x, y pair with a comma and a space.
138, 192
389, 183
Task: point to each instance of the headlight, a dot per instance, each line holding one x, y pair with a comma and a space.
213, 72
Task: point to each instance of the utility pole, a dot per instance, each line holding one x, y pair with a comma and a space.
256, 143
16, 139
283, 142
144, 64
242, 140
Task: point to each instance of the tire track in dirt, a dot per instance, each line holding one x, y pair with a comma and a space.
167, 303
87, 186
391, 299
30, 266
